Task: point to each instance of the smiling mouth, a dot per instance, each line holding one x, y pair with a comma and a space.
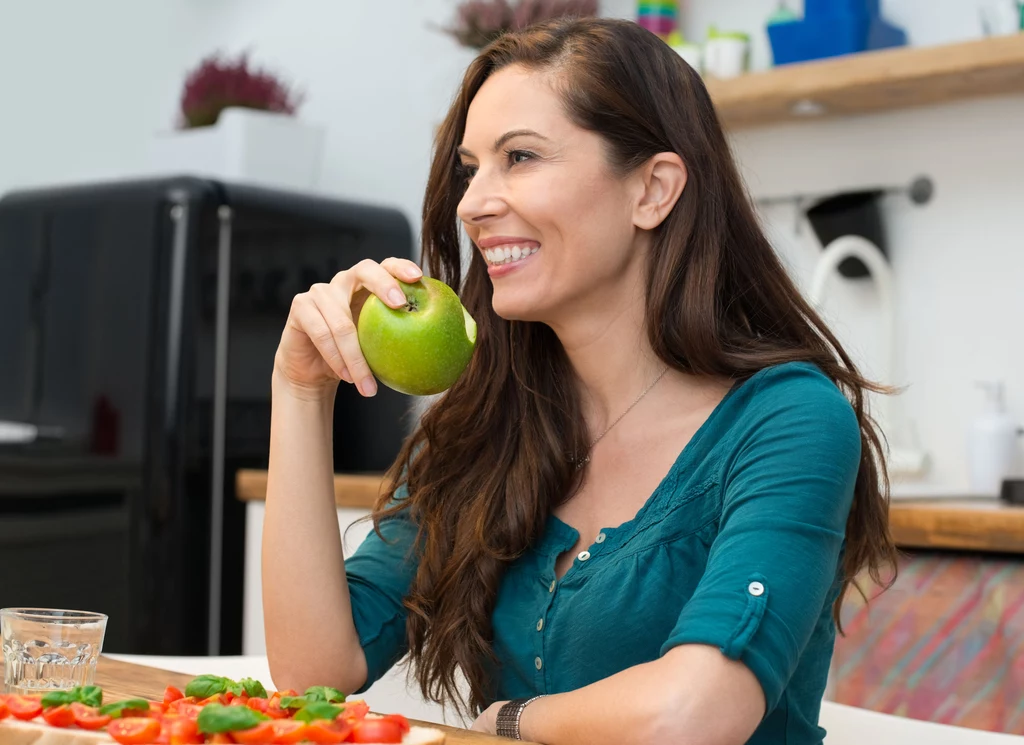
508, 254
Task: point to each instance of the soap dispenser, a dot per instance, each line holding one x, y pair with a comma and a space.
991, 443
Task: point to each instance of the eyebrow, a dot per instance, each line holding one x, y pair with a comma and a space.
463, 150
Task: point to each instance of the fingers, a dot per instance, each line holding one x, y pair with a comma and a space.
380, 278
312, 323
337, 318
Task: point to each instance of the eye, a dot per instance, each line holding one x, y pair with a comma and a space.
466, 171
516, 157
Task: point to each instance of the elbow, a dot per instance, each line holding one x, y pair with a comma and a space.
292, 673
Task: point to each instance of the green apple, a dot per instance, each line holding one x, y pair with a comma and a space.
422, 347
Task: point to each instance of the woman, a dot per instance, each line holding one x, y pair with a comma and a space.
644, 499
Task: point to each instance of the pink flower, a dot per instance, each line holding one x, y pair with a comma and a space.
217, 84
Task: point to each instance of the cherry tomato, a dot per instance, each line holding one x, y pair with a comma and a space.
328, 733
402, 722
183, 732
24, 707
355, 710
382, 730
134, 730
287, 692
87, 717
261, 734
258, 704
3, 707
221, 738
288, 731
172, 694
59, 716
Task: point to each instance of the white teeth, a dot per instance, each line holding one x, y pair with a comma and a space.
507, 254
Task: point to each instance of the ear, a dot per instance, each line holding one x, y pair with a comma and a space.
662, 180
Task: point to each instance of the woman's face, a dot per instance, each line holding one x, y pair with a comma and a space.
543, 207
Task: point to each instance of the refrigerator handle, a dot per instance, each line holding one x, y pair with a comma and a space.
23, 433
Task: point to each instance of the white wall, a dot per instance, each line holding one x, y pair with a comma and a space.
92, 83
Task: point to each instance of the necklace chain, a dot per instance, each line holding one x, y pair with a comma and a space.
580, 462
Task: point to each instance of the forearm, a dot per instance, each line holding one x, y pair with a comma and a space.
691, 696
311, 637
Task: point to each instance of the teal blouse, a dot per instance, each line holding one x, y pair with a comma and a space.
739, 547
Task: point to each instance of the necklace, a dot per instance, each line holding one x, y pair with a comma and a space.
580, 462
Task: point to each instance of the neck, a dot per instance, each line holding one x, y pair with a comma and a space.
609, 350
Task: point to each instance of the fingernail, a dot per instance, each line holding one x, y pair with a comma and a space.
368, 387
396, 296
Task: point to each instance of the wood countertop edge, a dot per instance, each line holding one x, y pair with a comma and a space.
960, 525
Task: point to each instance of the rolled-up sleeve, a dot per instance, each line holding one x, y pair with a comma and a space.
379, 574
787, 489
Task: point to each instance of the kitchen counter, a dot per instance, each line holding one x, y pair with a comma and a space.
949, 524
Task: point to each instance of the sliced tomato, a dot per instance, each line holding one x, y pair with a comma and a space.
221, 738
185, 707
183, 731
134, 730
402, 722
59, 716
87, 717
355, 710
287, 692
261, 734
328, 733
258, 704
24, 707
172, 694
377, 730
289, 731
3, 707
220, 698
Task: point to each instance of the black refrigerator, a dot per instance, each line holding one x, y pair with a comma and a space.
138, 324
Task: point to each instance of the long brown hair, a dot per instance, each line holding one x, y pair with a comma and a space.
490, 459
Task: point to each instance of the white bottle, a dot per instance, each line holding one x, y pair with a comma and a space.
991, 443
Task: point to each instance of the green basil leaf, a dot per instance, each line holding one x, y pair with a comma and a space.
293, 702
92, 696
119, 708
253, 687
235, 688
215, 718
317, 710
205, 686
59, 698
324, 693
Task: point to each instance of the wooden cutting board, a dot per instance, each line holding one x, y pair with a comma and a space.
121, 680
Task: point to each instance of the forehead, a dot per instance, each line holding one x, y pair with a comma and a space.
515, 98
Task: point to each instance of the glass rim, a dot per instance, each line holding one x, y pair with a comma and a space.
53, 615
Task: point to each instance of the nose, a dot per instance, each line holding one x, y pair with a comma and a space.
482, 201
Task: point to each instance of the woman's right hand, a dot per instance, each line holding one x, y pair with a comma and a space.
319, 345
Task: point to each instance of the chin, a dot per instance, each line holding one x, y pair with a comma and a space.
519, 306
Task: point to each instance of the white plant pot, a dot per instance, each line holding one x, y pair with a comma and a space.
245, 146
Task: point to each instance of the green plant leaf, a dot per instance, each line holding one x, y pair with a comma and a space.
118, 708
204, 686
317, 710
59, 698
253, 687
216, 718
92, 696
324, 693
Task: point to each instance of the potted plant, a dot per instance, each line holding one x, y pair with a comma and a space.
479, 22
238, 122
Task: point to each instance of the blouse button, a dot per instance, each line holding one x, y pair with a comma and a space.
551, 587
583, 555
756, 589
538, 663
540, 624
601, 537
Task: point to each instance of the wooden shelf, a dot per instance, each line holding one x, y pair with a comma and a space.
953, 525
871, 82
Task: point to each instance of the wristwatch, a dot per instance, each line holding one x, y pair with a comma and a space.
507, 722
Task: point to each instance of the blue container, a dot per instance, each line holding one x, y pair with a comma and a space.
831, 35
819, 8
